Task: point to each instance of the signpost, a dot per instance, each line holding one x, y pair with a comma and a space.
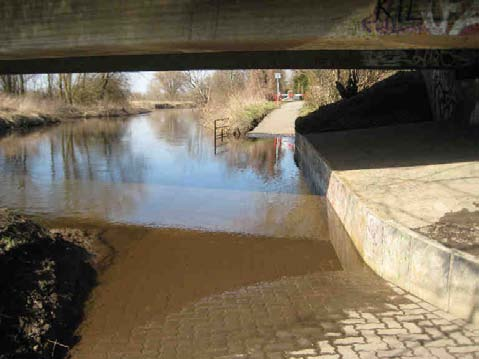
277, 76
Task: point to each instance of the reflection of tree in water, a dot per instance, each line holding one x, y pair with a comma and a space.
91, 149
180, 127
86, 159
95, 150
261, 155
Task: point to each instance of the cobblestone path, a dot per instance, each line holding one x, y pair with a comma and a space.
339, 310
315, 316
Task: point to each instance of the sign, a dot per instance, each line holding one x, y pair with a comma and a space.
277, 75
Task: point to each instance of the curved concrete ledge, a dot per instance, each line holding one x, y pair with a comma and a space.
445, 277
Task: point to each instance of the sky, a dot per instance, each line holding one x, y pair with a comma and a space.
140, 81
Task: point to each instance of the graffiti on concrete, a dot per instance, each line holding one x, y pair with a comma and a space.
442, 90
445, 59
435, 17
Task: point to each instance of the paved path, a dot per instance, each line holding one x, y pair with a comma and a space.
280, 121
344, 312
332, 315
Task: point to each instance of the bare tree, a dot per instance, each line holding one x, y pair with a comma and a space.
170, 84
200, 85
13, 84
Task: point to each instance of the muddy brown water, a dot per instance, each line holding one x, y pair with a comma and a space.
185, 225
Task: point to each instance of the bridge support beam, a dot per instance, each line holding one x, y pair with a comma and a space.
129, 35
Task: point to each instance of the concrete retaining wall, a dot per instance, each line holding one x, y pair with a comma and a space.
452, 99
444, 277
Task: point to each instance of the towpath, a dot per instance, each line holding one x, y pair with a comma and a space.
279, 121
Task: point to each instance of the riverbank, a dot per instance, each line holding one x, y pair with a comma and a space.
46, 277
20, 113
241, 116
163, 105
407, 195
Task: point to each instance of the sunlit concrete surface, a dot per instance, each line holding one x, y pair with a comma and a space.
279, 121
408, 197
416, 175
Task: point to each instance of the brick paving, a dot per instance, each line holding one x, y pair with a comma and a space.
329, 315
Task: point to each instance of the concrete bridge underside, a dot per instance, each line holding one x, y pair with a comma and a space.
40, 36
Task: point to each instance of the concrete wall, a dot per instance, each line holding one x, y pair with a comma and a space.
106, 30
444, 277
452, 99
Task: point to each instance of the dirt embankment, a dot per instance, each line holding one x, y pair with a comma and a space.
45, 279
401, 98
11, 119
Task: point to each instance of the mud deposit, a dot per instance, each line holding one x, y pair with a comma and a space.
44, 282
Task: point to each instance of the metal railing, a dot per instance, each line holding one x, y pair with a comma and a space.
221, 133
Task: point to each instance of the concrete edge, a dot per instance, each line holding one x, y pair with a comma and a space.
445, 277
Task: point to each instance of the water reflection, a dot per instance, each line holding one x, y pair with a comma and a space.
161, 170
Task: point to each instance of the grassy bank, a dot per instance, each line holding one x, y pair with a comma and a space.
45, 278
23, 112
242, 114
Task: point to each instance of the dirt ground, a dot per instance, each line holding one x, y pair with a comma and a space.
45, 278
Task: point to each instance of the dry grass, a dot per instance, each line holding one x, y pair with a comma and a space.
29, 105
243, 109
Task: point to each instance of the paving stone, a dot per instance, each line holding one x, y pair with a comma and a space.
394, 353
391, 323
449, 328
460, 338
353, 321
350, 330
367, 355
412, 328
392, 331
349, 340
303, 352
464, 349
439, 343
347, 352
393, 342
440, 353
409, 318
266, 320
434, 332
408, 306
370, 326
325, 347
370, 347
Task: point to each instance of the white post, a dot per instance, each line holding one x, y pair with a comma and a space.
277, 75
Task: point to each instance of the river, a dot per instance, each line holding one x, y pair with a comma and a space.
220, 253
157, 170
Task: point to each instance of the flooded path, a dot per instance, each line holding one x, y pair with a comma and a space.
227, 256
157, 170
